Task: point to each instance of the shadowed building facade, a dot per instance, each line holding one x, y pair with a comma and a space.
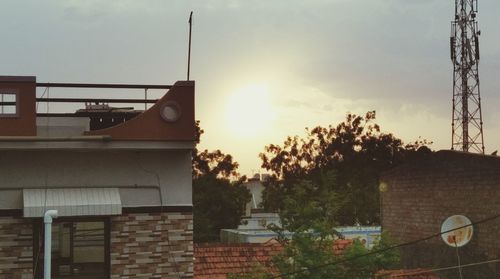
419, 195
120, 179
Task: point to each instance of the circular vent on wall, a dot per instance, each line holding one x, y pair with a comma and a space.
170, 112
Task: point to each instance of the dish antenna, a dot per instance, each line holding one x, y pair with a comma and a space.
456, 231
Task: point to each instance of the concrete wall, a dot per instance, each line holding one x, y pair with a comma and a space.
255, 187
171, 169
423, 193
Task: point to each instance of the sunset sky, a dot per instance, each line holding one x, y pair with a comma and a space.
265, 69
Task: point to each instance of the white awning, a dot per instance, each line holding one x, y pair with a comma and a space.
72, 201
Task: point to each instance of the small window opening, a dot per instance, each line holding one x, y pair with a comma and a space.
8, 104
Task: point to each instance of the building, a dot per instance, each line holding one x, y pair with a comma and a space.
217, 261
255, 186
420, 194
254, 226
120, 179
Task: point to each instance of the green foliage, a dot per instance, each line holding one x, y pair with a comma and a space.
257, 272
360, 266
307, 256
355, 149
312, 206
327, 179
309, 211
218, 203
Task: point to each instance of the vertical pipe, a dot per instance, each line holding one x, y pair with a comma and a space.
47, 252
458, 258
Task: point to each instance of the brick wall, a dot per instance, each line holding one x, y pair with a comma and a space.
152, 245
16, 248
422, 194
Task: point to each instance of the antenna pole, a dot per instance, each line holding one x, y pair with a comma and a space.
467, 120
189, 44
458, 258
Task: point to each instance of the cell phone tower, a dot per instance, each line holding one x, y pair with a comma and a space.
467, 120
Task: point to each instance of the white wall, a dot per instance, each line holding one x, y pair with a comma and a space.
171, 169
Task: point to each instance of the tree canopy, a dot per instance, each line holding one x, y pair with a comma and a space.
218, 202
356, 149
309, 212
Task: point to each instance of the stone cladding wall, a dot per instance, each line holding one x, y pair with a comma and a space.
16, 248
152, 245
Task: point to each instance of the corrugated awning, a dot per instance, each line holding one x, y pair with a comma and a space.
72, 201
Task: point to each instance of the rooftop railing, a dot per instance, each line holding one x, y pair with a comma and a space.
45, 98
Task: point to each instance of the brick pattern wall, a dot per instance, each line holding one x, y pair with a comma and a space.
423, 194
152, 245
16, 248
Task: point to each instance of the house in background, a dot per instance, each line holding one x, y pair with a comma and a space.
422, 193
120, 179
217, 261
254, 226
255, 186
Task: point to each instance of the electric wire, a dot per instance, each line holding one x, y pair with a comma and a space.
445, 268
43, 94
350, 259
158, 181
46, 178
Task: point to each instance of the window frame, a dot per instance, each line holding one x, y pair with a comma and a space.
8, 91
38, 238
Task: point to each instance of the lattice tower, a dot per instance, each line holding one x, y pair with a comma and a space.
467, 120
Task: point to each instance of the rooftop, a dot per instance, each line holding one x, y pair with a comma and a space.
219, 260
97, 114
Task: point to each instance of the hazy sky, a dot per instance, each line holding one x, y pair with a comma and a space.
264, 69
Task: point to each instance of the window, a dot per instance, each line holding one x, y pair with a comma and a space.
79, 249
8, 103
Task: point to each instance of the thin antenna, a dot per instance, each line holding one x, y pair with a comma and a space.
189, 44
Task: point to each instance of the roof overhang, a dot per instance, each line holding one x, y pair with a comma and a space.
72, 201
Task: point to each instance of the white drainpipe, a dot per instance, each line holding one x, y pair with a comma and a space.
47, 252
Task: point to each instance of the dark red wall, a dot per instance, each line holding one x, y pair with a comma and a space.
24, 124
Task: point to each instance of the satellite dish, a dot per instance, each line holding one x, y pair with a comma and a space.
460, 237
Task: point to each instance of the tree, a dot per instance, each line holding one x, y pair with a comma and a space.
355, 148
361, 262
309, 213
218, 202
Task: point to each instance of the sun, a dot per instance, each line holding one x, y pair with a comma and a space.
249, 111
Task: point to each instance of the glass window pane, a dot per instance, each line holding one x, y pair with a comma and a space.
9, 97
78, 250
88, 248
9, 109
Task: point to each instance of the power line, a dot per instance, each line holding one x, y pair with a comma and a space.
167, 237
385, 249
447, 268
